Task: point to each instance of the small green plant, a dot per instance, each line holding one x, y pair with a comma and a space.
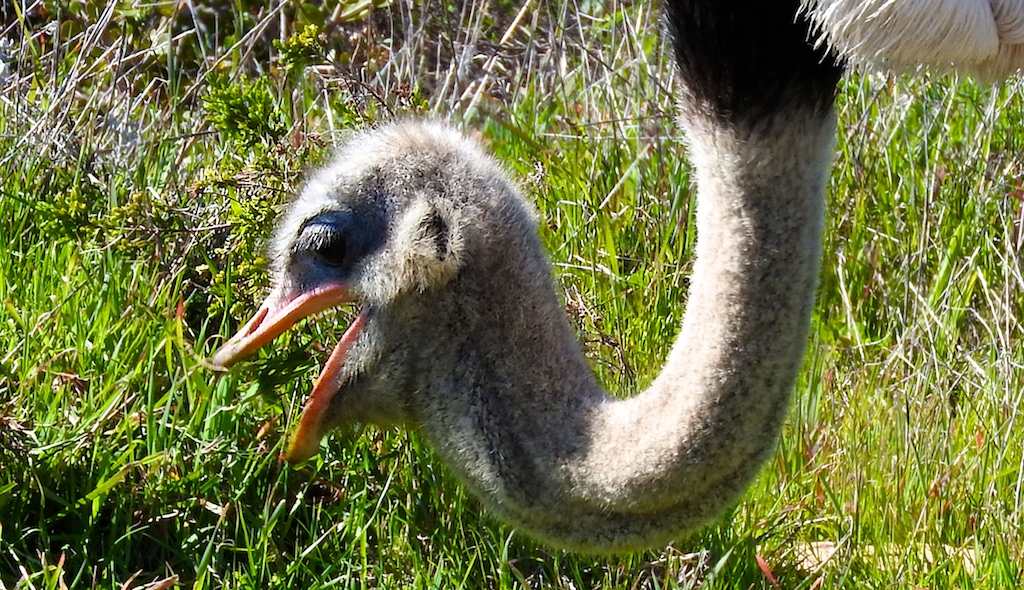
130, 226
301, 49
252, 194
243, 111
251, 216
69, 207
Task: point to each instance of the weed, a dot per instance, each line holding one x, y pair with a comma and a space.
302, 49
243, 111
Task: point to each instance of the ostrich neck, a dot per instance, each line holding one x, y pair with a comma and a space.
545, 447
536, 437
713, 414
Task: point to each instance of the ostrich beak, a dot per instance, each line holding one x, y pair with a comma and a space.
305, 441
277, 314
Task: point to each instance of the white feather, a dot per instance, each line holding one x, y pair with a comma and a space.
978, 36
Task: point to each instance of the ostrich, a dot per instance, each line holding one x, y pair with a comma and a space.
460, 333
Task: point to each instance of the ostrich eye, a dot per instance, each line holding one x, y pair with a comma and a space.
338, 239
331, 247
324, 240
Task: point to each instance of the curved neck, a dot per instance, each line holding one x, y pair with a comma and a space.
702, 429
540, 442
547, 449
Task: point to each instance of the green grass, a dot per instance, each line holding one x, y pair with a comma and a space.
134, 211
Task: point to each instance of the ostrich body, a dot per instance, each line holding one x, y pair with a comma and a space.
983, 37
461, 335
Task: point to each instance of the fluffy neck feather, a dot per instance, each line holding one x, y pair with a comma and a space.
546, 448
533, 433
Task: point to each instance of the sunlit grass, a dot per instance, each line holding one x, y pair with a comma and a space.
125, 461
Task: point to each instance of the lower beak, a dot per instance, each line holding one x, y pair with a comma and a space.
305, 440
279, 312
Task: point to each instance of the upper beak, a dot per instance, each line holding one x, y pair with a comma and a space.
280, 311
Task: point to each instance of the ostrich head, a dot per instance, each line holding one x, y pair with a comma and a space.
386, 226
